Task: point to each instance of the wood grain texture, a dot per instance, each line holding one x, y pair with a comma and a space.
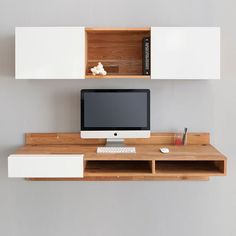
93, 29
75, 139
198, 168
143, 152
126, 178
118, 168
197, 161
153, 167
119, 48
117, 67
118, 77
182, 161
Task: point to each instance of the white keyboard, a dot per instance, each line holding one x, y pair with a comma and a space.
116, 150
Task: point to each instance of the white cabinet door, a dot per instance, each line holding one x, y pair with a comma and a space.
49, 53
45, 166
185, 53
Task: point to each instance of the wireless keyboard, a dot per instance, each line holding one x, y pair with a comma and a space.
116, 150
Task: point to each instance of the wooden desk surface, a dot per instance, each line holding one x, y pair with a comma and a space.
143, 152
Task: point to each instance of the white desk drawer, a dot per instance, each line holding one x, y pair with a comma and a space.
48, 166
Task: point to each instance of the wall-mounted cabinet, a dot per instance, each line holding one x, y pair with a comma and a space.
70, 52
49, 53
185, 53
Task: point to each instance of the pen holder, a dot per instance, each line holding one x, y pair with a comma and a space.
179, 139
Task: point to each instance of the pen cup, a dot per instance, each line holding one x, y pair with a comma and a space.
179, 139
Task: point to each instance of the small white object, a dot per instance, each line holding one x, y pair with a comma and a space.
116, 150
164, 150
46, 166
98, 70
103, 72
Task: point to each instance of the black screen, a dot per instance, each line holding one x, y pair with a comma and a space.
115, 109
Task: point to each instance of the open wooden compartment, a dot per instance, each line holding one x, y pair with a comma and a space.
119, 50
117, 167
190, 167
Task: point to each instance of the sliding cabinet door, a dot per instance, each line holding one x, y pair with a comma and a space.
185, 53
50, 53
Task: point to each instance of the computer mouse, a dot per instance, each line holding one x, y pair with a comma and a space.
164, 150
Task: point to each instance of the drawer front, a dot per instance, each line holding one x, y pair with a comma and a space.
48, 166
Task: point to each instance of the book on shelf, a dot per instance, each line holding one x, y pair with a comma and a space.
146, 55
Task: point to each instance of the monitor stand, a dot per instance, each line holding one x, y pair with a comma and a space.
115, 142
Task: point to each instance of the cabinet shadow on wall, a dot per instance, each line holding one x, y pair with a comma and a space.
7, 58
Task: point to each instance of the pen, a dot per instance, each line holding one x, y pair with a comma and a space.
184, 136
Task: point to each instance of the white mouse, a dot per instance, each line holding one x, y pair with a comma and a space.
164, 150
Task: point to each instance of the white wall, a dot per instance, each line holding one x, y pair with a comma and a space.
118, 208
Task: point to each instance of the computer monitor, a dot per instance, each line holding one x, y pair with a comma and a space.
115, 113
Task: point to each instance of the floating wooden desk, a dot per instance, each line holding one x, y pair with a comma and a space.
198, 160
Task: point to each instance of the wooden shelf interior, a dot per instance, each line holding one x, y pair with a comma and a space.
118, 77
117, 167
161, 168
120, 51
189, 167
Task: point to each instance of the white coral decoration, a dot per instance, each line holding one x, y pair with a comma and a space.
98, 70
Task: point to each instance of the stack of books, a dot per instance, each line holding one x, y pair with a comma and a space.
146, 56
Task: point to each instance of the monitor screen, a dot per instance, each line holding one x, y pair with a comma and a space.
119, 109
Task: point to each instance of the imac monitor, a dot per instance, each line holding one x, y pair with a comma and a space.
115, 113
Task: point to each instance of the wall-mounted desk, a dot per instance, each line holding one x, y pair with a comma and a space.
198, 160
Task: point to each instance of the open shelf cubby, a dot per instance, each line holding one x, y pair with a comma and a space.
189, 167
119, 50
117, 167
